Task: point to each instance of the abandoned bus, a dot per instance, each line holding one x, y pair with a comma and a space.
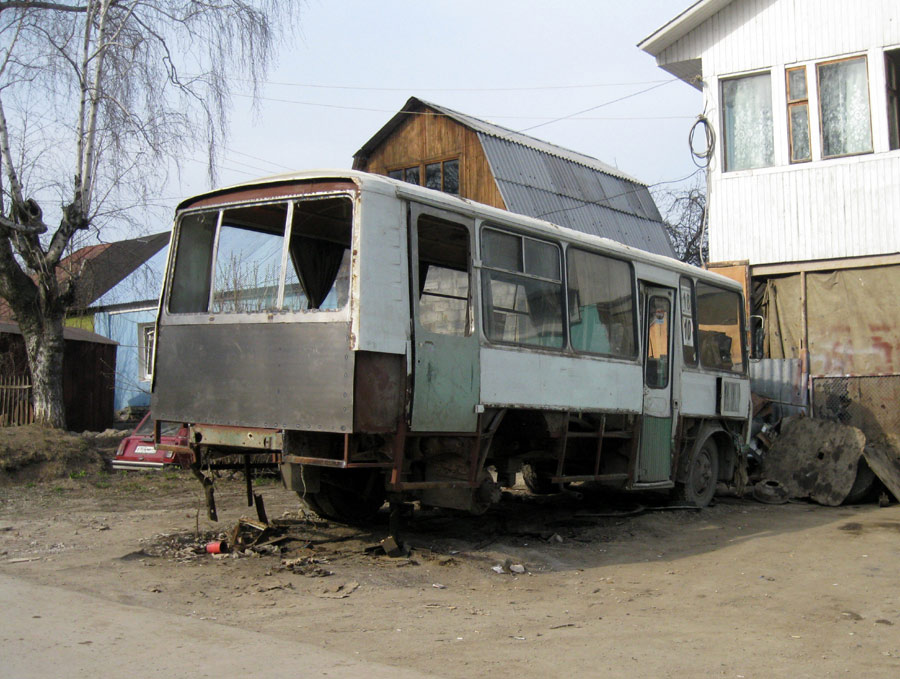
380, 340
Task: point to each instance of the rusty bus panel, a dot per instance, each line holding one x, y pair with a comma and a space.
227, 197
379, 392
236, 437
206, 369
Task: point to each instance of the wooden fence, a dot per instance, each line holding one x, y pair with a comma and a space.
15, 401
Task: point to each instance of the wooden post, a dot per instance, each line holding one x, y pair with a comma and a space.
804, 339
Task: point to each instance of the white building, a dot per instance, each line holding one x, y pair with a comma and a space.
804, 182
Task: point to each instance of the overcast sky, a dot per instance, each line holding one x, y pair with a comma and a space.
520, 64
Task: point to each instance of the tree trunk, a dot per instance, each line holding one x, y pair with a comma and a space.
45, 347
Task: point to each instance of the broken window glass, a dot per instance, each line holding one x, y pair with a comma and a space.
318, 270
844, 107
601, 304
248, 259
251, 257
747, 122
444, 276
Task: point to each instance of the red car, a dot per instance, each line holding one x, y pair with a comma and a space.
139, 452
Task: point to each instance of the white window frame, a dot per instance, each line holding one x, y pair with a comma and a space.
145, 352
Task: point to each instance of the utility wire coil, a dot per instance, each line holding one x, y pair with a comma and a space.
703, 156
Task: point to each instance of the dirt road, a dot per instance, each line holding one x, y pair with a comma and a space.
737, 590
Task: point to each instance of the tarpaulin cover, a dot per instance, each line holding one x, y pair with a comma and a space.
853, 318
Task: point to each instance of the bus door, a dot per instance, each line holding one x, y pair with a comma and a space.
655, 456
446, 377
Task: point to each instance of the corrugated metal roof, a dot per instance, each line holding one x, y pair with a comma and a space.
550, 182
548, 187
414, 104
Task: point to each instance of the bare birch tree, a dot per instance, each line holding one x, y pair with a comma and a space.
97, 97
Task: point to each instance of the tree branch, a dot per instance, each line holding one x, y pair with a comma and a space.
41, 4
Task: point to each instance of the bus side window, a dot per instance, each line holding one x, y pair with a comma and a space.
688, 323
444, 306
522, 290
602, 317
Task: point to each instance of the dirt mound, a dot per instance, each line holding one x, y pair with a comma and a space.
34, 453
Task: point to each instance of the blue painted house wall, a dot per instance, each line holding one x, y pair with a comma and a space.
122, 326
118, 315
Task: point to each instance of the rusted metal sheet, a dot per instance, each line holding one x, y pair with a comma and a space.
273, 376
379, 392
275, 190
236, 437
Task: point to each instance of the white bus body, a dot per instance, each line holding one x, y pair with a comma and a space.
383, 340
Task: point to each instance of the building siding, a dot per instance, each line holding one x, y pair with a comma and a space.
130, 389
823, 209
422, 138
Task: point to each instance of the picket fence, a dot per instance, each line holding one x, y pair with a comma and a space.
15, 401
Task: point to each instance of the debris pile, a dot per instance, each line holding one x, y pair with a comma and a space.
181, 546
827, 462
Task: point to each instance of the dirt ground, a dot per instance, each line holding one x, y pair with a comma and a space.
739, 589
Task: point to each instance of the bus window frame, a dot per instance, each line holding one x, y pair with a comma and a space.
266, 196
745, 368
635, 314
481, 227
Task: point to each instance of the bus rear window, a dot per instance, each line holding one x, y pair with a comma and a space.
269, 257
719, 328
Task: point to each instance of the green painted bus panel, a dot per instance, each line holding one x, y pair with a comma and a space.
446, 383
655, 461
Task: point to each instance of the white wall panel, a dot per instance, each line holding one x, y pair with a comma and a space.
835, 208
749, 34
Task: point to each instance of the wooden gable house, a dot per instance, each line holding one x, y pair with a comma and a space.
440, 148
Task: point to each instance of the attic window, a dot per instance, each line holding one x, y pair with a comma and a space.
440, 175
747, 122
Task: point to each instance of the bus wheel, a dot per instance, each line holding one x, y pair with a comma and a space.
537, 479
347, 495
701, 473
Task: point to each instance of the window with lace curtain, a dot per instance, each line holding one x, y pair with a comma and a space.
844, 107
747, 122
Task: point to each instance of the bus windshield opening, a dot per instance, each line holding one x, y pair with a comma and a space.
281, 256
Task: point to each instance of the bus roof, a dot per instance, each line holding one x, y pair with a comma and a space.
381, 184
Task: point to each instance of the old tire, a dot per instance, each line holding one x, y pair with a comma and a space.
351, 496
701, 473
537, 479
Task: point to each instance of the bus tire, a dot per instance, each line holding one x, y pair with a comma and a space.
701, 473
351, 496
538, 481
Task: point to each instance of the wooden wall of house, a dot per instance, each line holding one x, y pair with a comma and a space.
88, 379
89, 383
427, 138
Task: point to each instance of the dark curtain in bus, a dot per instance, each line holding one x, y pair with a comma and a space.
317, 263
